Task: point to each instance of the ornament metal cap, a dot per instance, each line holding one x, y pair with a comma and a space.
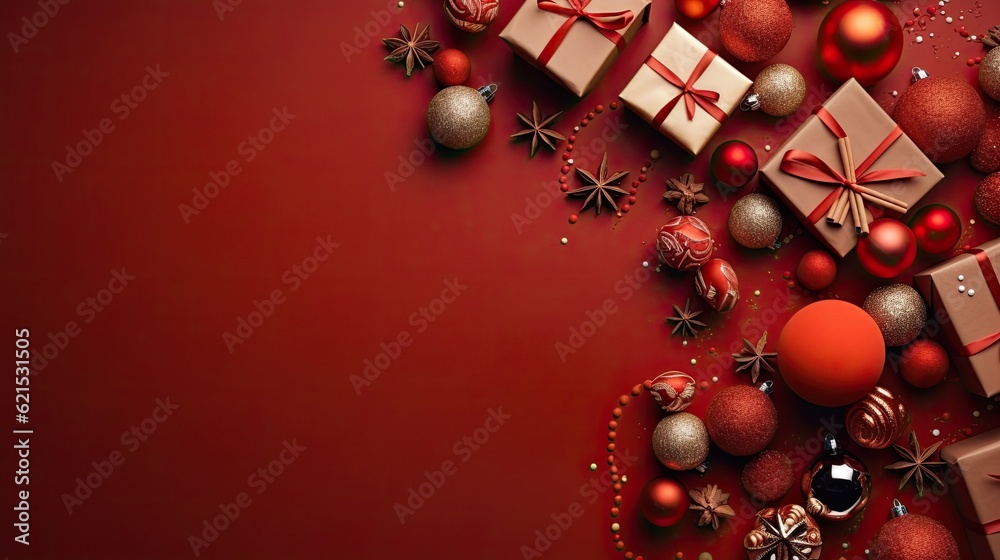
703, 468
767, 387
919, 74
488, 92
898, 509
751, 102
831, 446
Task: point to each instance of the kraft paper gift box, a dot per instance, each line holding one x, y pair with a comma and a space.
970, 325
574, 41
975, 463
685, 90
810, 174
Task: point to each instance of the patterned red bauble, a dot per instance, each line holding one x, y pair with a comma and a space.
877, 420
451, 67
944, 117
664, 501
741, 420
937, 228
924, 363
888, 250
831, 353
987, 199
986, 157
684, 243
696, 9
672, 390
768, 476
860, 39
914, 537
471, 15
717, 284
734, 164
755, 30
817, 270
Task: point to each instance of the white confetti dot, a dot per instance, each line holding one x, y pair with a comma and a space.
658, 269
645, 264
715, 379
756, 293
895, 93
593, 466
684, 343
948, 19
694, 361
973, 37
767, 147
920, 39
976, 413
972, 292
935, 432
932, 35
961, 277
961, 289
972, 222
564, 241
400, 4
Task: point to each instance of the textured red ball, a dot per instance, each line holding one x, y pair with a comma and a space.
741, 420
734, 164
987, 199
696, 9
944, 116
471, 15
664, 501
817, 270
859, 39
717, 284
755, 30
768, 476
924, 363
937, 228
684, 243
831, 353
451, 67
914, 537
888, 250
986, 157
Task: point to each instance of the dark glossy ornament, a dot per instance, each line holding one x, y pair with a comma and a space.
838, 485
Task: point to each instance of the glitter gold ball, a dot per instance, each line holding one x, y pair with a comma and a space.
680, 441
878, 419
755, 30
755, 221
898, 311
458, 117
781, 89
989, 74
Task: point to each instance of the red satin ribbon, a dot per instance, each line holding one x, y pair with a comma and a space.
608, 23
989, 273
805, 165
990, 528
702, 97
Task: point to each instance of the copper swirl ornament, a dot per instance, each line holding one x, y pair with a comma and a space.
878, 419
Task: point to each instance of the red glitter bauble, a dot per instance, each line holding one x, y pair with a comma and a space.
768, 476
471, 15
986, 157
860, 39
817, 270
664, 501
696, 9
717, 284
734, 164
451, 67
831, 353
684, 243
755, 30
741, 420
924, 363
914, 537
944, 117
888, 250
987, 199
937, 228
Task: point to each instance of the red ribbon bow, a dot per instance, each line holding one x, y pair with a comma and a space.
807, 166
983, 260
608, 23
702, 97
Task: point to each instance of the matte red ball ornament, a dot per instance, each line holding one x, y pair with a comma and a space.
664, 501
860, 39
909, 536
888, 250
944, 116
696, 9
734, 164
451, 67
924, 363
817, 270
471, 16
717, 284
684, 243
937, 228
987, 199
741, 419
755, 30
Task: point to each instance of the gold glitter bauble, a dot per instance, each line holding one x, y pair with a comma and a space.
755, 221
877, 420
781, 90
898, 311
458, 117
989, 74
680, 441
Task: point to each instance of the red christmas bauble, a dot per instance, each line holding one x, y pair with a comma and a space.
672, 390
664, 501
471, 15
937, 228
888, 250
451, 67
987, 199
860, 39
696, 9
734, 164
817, 270
924, 363
717, 284
986, 157
944, 117
755, 30
741, 420
831, 353
914, 537
684, 243
768, 476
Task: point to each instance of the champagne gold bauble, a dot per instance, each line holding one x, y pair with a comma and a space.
458, 117
780, 89
899, 312
989, 74
755, 221
680, 441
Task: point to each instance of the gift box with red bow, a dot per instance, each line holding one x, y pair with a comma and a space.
685, 90
975, 466
574, 41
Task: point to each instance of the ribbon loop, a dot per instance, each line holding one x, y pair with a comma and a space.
706, 99
989, 273
607, 23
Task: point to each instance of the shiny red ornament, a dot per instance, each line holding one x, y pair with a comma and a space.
664, 501
944, 116
888, 250
696, 9
924, 363
734, 164
717, 284
684, 243
672, 390
987, 199
817, 270
937, 228
914, 537
471, 16
860, 39
986, 157
741, 420
755, 30
451, 67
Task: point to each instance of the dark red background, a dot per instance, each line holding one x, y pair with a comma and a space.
452, 218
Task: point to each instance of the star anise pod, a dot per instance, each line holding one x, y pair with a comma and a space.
754, 358
916, 463
684, 192
992, 37
713, 505
414, 49
599, 187
685, 319
537, 129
